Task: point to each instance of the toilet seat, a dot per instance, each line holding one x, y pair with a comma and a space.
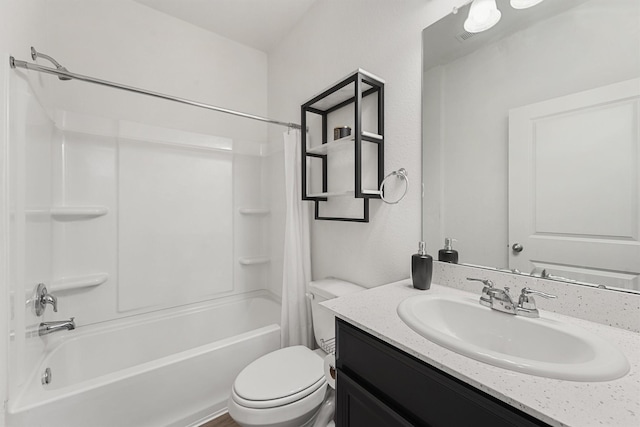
264, 404
279, 378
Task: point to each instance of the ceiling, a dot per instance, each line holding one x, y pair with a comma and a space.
260, 24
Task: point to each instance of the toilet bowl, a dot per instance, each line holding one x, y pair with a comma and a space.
286, 388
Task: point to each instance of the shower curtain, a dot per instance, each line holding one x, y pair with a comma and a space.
295, 319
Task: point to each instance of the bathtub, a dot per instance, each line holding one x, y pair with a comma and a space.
154, 370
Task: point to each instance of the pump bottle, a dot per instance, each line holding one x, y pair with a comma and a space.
448, 254
421, 268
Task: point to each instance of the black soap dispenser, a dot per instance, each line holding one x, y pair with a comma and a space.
421, 268
448, 254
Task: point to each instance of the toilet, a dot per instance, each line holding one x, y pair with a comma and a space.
286, 388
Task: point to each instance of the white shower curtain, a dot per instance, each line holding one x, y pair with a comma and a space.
295, 319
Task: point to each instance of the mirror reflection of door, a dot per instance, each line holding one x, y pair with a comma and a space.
574, 172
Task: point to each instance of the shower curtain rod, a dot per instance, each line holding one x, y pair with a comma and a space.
64, 74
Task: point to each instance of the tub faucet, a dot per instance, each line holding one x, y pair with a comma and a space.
47, 328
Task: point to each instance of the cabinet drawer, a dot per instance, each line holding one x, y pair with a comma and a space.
359, 408
416, 390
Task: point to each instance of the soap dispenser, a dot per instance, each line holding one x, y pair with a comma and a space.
421, 268
448, 254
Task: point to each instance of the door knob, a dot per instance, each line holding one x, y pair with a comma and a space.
517, 247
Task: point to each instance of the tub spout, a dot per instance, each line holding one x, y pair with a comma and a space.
47, 328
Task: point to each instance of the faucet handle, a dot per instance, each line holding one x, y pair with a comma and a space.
529, 291
51, 299
42, 298
488, 283
485, 298
527, 304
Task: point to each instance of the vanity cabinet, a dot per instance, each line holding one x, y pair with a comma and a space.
379, 385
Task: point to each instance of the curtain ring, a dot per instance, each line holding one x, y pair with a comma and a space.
400, 173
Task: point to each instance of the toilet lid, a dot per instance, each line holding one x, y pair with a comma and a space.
283, 373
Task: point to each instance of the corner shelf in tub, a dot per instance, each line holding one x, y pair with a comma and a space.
72, 213
79, 282
254, 211
255, 260
68, 213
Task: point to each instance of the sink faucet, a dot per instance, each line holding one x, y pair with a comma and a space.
500, 299
47, 328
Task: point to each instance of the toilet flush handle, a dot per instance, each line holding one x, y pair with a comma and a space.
310, 295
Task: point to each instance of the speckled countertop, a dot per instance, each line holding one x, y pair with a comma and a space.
558, 403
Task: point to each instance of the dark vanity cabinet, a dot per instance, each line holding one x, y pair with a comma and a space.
381, 386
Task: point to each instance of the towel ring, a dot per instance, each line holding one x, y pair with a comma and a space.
400, 173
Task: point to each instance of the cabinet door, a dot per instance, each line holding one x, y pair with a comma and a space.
356, 407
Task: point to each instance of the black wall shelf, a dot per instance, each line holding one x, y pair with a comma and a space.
351, 90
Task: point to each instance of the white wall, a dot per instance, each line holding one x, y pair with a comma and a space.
384, 37
126, 42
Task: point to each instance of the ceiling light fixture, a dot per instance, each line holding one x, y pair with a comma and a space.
483, 14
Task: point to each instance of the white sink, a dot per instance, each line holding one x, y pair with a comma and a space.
542, 347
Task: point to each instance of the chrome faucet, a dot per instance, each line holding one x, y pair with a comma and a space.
526, 303
47, 328
500, 299
485, 298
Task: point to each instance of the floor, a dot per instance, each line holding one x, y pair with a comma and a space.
223, 421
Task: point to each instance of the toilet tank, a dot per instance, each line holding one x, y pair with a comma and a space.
323, 319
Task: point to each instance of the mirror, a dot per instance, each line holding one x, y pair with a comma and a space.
530, 141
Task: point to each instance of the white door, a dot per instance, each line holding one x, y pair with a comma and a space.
574, 191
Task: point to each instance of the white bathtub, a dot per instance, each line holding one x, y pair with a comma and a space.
174, 370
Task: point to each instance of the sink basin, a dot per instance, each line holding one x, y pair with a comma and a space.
543, 347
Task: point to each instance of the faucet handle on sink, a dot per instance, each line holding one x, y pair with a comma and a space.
528, 291
485, 299
526, 303
488, 283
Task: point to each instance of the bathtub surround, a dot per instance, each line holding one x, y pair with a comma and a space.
91, 161
79, 143
296, 311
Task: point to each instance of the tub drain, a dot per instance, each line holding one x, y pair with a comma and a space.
46, 376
